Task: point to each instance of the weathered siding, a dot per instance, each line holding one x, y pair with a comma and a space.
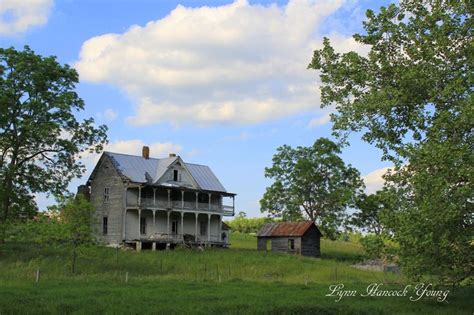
311, 243
280, 244
184, 179
262, 243
107, 176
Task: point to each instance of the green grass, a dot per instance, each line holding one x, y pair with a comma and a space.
235, 280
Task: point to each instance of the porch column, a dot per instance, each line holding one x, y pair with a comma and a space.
154, 221
219, 229
208, 228
168, 224
169, 198
182, 199
182, 225
154, 196
209, 202
139, 195
233, 205
196, 232
197, 194
139, 223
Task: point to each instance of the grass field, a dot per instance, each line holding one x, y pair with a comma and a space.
235, 280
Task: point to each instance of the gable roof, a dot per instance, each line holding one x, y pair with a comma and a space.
285, 228
140, 170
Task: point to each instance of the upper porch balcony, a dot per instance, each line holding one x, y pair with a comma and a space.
178, 199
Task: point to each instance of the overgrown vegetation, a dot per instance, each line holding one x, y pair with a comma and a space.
189, 281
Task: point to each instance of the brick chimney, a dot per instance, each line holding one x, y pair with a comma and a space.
172, 155
146, 152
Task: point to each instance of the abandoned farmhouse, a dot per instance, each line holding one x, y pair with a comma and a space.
154, 203
302, 238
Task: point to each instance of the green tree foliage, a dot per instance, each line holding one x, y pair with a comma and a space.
411, 96
312, 182
67, 225
242, 224
373, 212
76, 215
375, 216
40, 137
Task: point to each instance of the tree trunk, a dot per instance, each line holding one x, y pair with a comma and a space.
6, 191
74, 256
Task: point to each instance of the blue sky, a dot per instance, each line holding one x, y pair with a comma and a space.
221, 83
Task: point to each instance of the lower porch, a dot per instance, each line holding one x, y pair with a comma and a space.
157, 228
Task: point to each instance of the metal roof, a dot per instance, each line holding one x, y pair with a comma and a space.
141, 170
285, 228
204, 177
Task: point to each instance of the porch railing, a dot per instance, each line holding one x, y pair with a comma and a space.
178, 204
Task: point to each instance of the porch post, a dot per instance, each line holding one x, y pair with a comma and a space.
208, 228
209, 201
233, 204
154, 196
139, 195
139, 223
196, 232
169, 198
154, 221
168, 224
182, 199
182, 225
197, 194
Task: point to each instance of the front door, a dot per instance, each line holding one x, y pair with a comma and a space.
203, 228
174, 227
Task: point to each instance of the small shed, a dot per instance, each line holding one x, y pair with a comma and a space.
301, 238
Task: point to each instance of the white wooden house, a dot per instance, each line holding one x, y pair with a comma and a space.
154, 203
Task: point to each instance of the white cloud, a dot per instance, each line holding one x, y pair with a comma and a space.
110, 114
236, 63
374, 181
319, 121
17, 16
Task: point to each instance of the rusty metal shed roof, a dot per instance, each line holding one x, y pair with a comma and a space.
285, 229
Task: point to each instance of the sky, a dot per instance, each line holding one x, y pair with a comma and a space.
220, 83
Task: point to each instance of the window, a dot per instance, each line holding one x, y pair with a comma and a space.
291, 244
143, 226
105, 225
175, 175
203, 229
174, 227
106, 194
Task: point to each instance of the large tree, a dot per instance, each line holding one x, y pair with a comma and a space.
312, 182
40, 137
411, 96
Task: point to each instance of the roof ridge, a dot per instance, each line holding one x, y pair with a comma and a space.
137, 156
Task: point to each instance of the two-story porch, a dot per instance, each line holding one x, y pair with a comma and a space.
159, 215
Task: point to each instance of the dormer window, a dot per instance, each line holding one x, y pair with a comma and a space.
175, 175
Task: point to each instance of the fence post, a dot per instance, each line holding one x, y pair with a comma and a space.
335, 272
37, 275
126, 277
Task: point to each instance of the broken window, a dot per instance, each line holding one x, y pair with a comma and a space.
291, 244
105, 225
143, 226
175, 175
106, 194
